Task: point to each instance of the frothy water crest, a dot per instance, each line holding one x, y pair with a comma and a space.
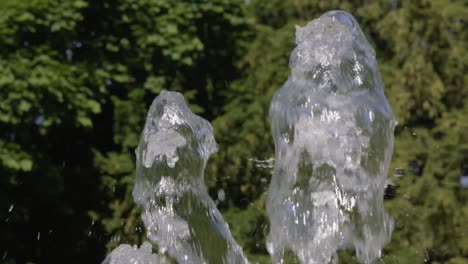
333, 133
125, 254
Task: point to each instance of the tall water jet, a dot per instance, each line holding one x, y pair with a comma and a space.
333, 133
179, 215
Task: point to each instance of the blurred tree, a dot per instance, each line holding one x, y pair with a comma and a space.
47, 104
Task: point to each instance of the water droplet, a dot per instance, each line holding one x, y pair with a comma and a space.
38, 235
221, 195
39, 120
399, 172
69, 53
11, 208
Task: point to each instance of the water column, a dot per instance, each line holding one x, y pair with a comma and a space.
179, 215
333, 133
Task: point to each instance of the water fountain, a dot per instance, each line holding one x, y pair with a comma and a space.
179, 215
333, 133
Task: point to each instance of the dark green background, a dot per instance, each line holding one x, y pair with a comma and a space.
77, 77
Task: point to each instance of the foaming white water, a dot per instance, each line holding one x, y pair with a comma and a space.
125, 254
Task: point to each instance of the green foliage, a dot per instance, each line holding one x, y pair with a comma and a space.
77, 77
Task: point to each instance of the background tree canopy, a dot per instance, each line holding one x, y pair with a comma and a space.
77, 77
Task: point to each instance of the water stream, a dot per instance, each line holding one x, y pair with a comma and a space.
333, 133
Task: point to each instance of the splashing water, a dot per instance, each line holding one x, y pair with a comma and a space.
179, 214
125, 254
333, 133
